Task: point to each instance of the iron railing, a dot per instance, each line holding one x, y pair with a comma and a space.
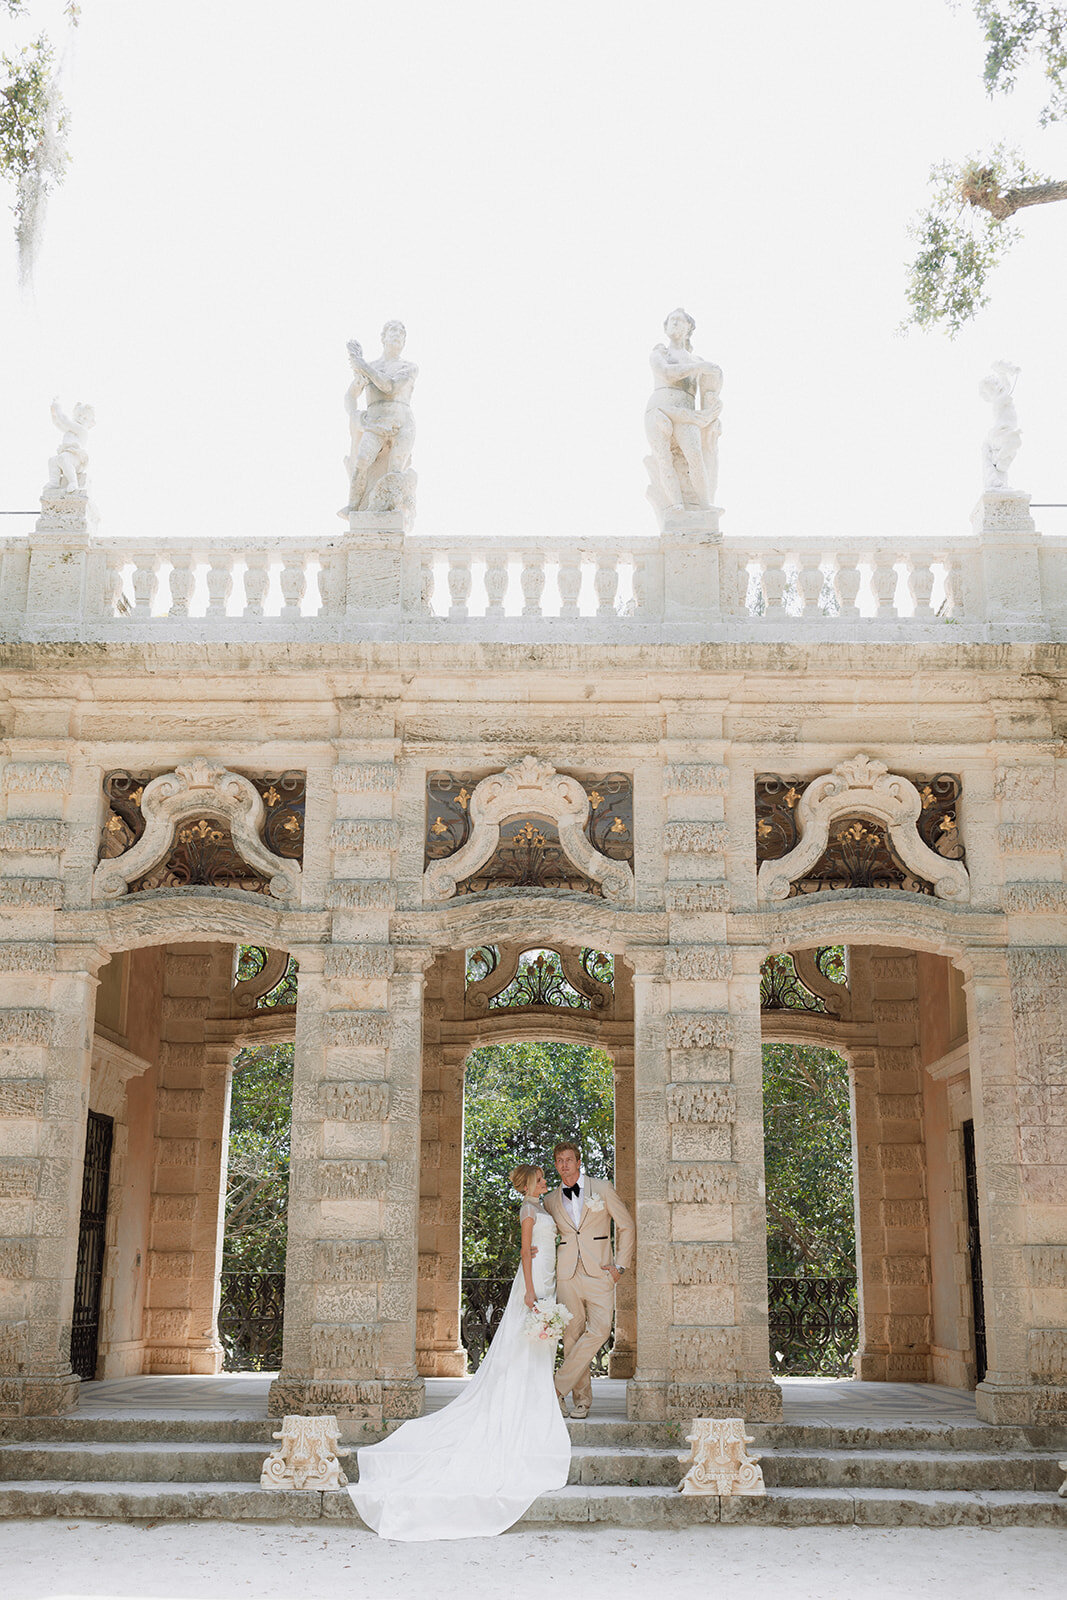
813, 1326
250, 1320
481, 1307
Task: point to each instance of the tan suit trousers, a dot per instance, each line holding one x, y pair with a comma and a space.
591, 1302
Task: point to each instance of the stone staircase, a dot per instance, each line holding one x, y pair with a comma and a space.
622, 1473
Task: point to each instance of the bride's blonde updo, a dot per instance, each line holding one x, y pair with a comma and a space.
523, 1176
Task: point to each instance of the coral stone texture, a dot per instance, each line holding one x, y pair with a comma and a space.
689, 752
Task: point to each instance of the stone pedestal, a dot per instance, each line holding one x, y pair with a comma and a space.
691, 583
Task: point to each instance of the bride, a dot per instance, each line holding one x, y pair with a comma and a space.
474, 1467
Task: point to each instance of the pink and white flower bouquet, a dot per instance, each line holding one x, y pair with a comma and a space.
547, 1320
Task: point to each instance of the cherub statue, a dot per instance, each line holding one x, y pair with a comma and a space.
383, 434
68, 467
684, 462
1002, 442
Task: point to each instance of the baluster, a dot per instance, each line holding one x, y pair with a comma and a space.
182, 583
219, 582
532, 582
952, 605
294, 581
115, 602
145, 584
921, 586
846, 585
496, 582
751, 594
570, 583
640, 583
606, 584
774, 586
459, 587
809, 582
884, 584
257, 582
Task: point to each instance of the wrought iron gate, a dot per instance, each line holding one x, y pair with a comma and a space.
88, 1275
482, 1305
251, 1312
974, 1250
813, 1325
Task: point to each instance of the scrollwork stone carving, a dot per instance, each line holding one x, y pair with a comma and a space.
307, 1457
718, 1460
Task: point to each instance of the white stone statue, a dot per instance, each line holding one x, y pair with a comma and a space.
307, 1457
383, 433
718, 1461
68, 468
1002, 442
682, 422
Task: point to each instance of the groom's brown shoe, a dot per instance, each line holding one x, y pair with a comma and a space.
579, 1412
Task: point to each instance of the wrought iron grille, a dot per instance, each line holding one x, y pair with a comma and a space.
481, 1307
88, 1274
250, 1320
813, 1326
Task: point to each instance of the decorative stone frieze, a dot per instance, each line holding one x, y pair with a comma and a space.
43, 892
696, 1030
22, 1097
365, 777
17, 1258
350, 1261
1031, 837
307, 1456
704, 1263
351, 1180
359, 961
363, 1028
704, 1350
1025, 785
25, 1025
705, 777
1047, 1265
25, 836
696, 838
341, 1346
372, 835
1048, 1354
1037, 896
19, 1179
697, 897
36, 777
718, 1460
27, 957
701, 1102
14, 1344
355, 1102
714, 1184
697, 961
360, 894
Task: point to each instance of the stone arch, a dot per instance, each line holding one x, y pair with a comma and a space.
529, 788
862, 787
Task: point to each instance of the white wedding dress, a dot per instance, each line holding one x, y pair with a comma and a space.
473, 1468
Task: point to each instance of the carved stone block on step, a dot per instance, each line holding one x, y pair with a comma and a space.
307, 1456
718, 1460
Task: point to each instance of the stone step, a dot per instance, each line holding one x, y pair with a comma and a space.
138, 1462
874, 1469
619, 1506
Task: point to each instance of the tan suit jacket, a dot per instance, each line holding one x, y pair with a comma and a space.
588, 1247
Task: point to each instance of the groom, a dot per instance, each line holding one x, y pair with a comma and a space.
586, 1272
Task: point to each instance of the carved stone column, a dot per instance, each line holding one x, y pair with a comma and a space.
889, 1158
440, 1352
1017, 1023
618, 1039
188, 1186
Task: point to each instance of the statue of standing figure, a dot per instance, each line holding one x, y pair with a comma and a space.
383, 433
682, 422
1002, 443
68, 468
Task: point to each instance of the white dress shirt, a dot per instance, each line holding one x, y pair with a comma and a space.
574, 1207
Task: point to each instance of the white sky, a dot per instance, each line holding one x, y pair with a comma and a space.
530, 188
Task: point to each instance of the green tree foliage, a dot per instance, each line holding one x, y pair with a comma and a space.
520, 1100
257, 1176
964, 232
33, 129
808, 1153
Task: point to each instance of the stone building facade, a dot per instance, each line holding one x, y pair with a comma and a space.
788, 774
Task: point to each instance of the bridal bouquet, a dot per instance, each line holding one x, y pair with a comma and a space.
547, 1320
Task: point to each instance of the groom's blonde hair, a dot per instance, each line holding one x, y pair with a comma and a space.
567, 1145
522, 1177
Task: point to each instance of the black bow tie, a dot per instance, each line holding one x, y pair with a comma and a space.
573, 1193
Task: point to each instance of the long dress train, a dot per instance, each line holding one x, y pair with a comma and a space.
474, 1467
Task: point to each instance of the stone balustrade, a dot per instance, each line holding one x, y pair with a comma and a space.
989, 584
